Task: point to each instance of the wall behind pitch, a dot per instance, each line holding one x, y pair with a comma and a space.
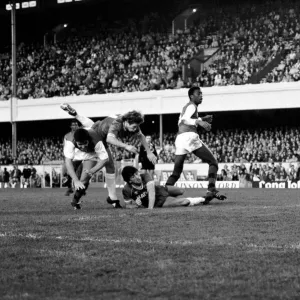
229, 98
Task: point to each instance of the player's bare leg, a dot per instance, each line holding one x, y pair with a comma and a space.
151, 172
180, 201
206, 156
178, 168
175, 191
85, 121
110, 179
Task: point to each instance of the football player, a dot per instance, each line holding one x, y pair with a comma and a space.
140, 191
114, 130
188, 141
84, 148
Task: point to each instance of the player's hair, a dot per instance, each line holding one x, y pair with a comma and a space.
192, 90
81, 135
127, 172
133, 117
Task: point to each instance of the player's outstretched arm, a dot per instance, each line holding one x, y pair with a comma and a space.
114, 141
151, 194
78, 184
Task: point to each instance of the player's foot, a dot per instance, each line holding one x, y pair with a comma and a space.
76, 204
213, 193
114, 203
69, 109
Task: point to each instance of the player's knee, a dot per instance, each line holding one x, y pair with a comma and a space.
110, 168
214, 163
181, 192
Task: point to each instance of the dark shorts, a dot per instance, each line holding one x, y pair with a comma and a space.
148, 166
161, 195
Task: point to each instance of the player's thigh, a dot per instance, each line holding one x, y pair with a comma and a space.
174, 201
205, 154
110, 165
187, 142
151, 172
86, 166
64, 169
175, 191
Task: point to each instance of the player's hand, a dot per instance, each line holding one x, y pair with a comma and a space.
204, 124
88, 172
208, 118
152, 157
131, 149
79, 185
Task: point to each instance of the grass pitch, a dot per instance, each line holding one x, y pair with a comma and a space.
247, 247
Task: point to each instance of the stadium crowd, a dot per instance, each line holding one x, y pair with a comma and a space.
248, 39
280, 144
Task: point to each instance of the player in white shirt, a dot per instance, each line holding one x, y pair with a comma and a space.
85, 147
188, 141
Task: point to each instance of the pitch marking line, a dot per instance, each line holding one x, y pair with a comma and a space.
216, 241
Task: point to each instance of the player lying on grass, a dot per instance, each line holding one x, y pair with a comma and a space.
84, 148
114, 130
140, 191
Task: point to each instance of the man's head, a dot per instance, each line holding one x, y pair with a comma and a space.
195, 95
132, 120
131, 175
148, 139
82, 139
74, 126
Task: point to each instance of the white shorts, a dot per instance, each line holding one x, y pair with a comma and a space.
187, 142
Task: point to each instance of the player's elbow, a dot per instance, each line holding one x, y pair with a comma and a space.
105, 160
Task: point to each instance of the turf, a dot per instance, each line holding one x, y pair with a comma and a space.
246, 247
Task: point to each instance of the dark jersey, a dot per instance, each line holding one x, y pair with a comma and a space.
143, 159
140, 194
115, 127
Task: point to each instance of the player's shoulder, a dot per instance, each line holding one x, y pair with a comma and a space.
126, 190
69, 136
116, 124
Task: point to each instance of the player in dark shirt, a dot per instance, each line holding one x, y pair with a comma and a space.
147, 165
140, 191
26, 176
114, 130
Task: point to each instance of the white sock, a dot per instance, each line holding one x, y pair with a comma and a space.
110, 180
196, 201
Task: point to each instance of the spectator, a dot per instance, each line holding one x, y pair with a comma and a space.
6, 177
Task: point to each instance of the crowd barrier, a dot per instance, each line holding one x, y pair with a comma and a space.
193, 176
